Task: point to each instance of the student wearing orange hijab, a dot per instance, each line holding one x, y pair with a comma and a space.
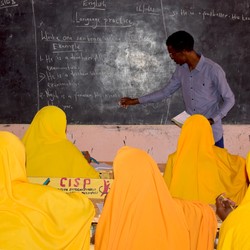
234, 231
140, 214
49, 152
34, 216
199, 170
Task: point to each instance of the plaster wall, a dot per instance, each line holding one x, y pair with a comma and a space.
103, 141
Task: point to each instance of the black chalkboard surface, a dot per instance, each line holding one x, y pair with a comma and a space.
84, 55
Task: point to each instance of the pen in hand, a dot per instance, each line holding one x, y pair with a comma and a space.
224, 199
91, 158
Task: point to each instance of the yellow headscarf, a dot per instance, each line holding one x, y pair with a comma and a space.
140, 214
49, 152
234, 233
198, 170
34, 216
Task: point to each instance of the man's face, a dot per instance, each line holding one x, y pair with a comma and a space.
177, 56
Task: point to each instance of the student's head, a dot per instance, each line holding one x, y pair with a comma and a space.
48, 125
180, 40
51, 118
196, 134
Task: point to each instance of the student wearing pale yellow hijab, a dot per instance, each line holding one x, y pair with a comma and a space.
34, 216
140, 214
234, 232
199, 170
49, 152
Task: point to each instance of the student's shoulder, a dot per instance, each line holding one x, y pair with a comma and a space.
224, 155
72, 147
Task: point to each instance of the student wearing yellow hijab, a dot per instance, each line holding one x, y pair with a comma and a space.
49, 152
140, 214
199, 170
34, 216
234, 232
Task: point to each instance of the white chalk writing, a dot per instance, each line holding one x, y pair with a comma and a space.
210, 14
97, 22
7, 4
146, 9
99, 5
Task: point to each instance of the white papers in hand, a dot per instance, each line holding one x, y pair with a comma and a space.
180, 119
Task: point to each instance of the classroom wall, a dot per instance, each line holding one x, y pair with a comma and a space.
103, 141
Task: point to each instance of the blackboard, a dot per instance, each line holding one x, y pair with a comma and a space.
84, 55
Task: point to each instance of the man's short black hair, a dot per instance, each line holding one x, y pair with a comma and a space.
181, 40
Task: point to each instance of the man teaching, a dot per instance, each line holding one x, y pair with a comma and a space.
203, 82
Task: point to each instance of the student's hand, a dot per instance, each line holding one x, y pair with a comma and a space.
87, 156
126, 101
224, 206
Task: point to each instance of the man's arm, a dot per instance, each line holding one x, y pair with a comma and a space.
155, 96
226, 94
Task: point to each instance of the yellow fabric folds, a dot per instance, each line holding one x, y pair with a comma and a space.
38, 217
234, 232
49, 152
140, 214
200, 171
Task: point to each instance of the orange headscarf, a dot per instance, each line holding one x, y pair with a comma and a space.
49, 152
234, 232
34, 216
140, 214
200, 171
